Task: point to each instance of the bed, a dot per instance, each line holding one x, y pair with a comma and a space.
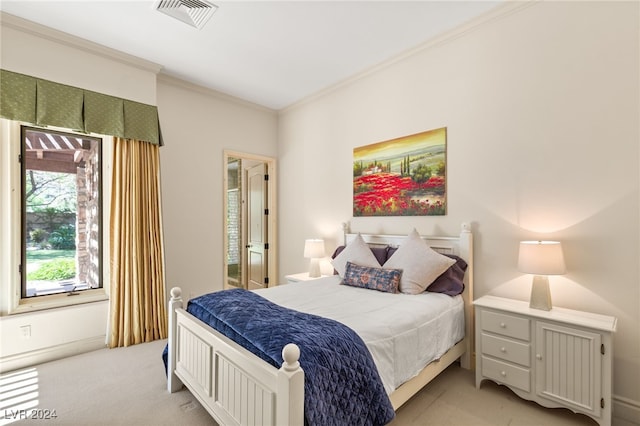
238, 387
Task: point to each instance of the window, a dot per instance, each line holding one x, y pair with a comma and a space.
61, 213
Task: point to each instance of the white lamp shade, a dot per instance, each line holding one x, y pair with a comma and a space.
314, 249
541, 258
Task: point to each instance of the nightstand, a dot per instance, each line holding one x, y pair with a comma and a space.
303, 276
557, 358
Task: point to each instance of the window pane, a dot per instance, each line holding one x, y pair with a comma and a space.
61, 210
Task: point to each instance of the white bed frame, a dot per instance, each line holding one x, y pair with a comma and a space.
238, 388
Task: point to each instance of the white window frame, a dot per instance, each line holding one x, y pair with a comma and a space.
10, 229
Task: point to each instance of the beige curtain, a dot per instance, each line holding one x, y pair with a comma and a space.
137, 308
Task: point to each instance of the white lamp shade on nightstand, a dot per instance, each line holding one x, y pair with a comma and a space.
541, 258
314, 250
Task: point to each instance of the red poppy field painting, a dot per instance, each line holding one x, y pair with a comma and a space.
402, 177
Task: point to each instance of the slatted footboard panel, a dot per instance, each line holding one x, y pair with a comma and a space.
194, 361
231, 394
244, 399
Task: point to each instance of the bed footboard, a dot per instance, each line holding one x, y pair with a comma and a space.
235, 386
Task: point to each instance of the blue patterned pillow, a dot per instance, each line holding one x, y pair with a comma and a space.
386, 280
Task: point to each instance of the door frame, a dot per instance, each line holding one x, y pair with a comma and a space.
272, 222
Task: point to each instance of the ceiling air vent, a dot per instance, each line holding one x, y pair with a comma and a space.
193, 12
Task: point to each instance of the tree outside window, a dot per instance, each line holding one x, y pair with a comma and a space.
61, 226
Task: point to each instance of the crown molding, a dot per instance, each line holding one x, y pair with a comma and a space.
29, 27
499, 12
164, 77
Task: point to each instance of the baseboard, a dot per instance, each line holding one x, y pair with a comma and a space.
626, 409
28, 359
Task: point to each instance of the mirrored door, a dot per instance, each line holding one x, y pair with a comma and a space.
234, 223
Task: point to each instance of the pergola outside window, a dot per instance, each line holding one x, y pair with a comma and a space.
61, 213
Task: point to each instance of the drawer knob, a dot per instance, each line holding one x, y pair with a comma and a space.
503, 325
503, 349
538, 356
503, 373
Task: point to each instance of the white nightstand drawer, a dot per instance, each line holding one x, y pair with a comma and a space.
506, 349
507, 374
507, 325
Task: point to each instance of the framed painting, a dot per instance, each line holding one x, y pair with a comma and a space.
405, 176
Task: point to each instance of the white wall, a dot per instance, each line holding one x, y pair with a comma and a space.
197, 126
41, 52
541, 104
35, 50
55, 333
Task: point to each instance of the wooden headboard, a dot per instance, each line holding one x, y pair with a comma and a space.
460, 245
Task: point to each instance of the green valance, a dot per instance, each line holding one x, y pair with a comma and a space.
139, 120
103, 113
59, 105
18, 96
45, 103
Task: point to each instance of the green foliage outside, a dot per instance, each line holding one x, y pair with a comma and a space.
38, 235
35, 256
50, 192
53, 196
50, 265
63, 238
54, 270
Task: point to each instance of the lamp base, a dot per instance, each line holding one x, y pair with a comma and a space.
540, 294
314, 268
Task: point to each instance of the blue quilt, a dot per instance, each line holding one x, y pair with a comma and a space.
342, 385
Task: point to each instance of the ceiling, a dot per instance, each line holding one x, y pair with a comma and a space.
272, 53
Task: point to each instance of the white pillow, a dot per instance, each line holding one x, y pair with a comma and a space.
420, 264
358, 252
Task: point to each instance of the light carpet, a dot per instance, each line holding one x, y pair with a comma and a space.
127, 386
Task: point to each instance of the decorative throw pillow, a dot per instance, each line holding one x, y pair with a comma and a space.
420, 264
357, 251
451, 281
380, 279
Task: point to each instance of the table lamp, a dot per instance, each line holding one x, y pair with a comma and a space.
314, 250
541, 258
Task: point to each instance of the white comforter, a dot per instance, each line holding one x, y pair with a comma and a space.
403, 332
